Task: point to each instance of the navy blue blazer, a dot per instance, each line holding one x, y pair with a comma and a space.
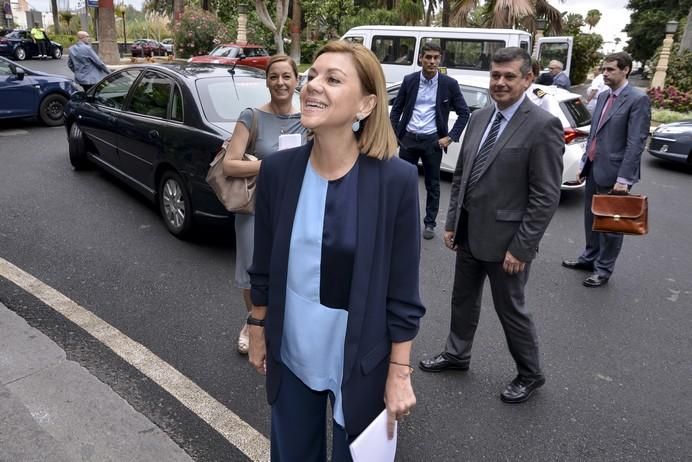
385, 304
448, 97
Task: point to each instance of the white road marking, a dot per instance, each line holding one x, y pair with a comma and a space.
238, 432
12, 132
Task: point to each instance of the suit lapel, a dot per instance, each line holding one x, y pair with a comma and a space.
474, 136
369, 182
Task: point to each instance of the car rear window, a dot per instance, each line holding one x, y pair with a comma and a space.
576, 112
223, 100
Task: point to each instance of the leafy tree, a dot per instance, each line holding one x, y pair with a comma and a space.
585, 48
197, 32
410, 11
646, 28
592, 18
330, 15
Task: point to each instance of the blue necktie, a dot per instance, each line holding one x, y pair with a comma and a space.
482, 157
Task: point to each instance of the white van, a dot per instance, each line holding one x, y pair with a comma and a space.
465, 51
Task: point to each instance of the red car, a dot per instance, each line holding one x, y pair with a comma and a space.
253, 56
147, 47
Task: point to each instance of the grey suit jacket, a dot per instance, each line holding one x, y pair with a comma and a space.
621, 138
518, 192
86, 65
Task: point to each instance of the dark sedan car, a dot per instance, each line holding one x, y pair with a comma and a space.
19, 45
157, 127
27, 93
673, 142
147, 47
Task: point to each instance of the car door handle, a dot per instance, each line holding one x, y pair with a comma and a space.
153, 134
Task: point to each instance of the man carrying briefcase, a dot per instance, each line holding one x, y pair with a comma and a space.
612, 160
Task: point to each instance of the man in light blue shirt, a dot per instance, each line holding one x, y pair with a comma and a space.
420, 117
84, 62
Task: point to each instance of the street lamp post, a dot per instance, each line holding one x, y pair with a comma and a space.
242, 22
662, 66
541, 24
121, 10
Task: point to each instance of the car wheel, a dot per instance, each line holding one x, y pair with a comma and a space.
51, 110
20, 53
57, 53
77, 148
174, 203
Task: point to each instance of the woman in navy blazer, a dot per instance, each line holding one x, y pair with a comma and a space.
335, 270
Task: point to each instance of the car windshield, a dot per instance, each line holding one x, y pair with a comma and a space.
15, 34
225, 52
221, 102
476, 98
576, 112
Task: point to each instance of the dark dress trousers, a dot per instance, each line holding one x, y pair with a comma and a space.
412, 147
508, 208
620, 140
384, 302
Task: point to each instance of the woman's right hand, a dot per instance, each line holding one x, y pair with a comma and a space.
257, 354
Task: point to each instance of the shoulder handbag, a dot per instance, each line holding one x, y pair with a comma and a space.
237, 194
620, 213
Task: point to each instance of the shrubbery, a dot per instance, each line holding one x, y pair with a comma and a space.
198, 32
679, 74
670, 98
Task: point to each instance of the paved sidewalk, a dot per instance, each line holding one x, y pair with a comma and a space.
54, 410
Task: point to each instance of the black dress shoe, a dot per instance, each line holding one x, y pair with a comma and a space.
595, 281
577, 265
441, 363
521, 389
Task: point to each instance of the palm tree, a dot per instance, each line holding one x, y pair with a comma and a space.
410, 11
108, 47
592, 18
509, 14
296, 19
56, 20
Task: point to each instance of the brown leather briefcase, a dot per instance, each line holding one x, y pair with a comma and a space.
620, 213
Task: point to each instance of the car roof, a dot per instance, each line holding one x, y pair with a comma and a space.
246, 45
196, 71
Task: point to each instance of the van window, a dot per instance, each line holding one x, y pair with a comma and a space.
550, 51
524, 45
394, 49
354, 39
472, 54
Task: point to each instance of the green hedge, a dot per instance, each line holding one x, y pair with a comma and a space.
65, 40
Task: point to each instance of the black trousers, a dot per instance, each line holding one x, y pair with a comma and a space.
426, 148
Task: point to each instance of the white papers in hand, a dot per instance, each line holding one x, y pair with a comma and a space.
372, 444
291, 140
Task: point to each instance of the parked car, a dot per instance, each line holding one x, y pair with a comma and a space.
575, 118
230, 53
27, 93
19, 45
672, 142
147, 47
168, 45
157, 127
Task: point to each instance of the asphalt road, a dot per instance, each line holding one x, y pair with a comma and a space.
618, 359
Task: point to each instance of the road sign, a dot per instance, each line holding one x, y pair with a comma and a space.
93, 3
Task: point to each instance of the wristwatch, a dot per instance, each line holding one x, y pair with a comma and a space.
255, 322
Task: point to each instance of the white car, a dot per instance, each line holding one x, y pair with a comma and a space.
168, 45
572, 112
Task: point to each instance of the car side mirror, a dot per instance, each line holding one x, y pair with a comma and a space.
241, 56
19, 72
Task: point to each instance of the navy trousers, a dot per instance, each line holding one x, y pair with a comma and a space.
298, 428
426, 148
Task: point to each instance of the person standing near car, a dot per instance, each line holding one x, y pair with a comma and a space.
611, 161
39, 36
560, 79
85, 63
420, 117
505, 190
274, 119
597, 87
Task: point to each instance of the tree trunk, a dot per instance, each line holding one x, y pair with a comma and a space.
108, 47
296, 21
56, 18
686, 42
281, 15
178, 9
445, 13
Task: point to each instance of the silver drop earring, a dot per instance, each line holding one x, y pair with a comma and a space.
355, 126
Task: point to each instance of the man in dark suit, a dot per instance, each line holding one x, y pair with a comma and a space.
611, 161
505, 190
420, 117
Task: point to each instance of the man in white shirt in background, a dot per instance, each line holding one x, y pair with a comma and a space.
597, 87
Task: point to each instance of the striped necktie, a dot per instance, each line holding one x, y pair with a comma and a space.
482, 157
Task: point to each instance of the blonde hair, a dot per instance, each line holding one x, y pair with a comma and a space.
377, 138
280, 58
